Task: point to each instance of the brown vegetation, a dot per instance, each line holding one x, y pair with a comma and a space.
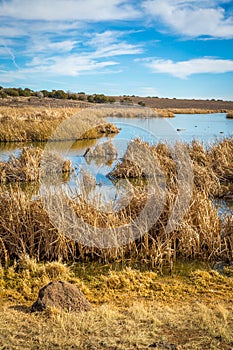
25, 226
26, 167
151, 102
197, 110
134, 309
38, 124
199, 106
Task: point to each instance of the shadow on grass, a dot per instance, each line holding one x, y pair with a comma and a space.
21, 308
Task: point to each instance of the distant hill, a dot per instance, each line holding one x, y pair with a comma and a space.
152, 102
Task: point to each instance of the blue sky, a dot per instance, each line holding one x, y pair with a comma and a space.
165, 48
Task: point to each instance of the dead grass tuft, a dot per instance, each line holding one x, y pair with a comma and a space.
38, 124
26, 228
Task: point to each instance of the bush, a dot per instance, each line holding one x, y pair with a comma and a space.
141, 103
59, 94
39, 94
100, 98
3, 94
90, 98
82, 97
11, 92
111, 100
45, 93
26, 92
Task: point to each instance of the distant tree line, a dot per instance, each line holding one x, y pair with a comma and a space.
14, 92
59, 94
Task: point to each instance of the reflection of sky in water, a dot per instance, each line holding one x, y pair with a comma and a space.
206, 128
224, 206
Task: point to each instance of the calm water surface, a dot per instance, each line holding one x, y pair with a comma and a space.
206, 128
186, 127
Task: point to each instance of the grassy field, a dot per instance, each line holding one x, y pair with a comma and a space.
151, 102
133, 308
38, 124
160, 291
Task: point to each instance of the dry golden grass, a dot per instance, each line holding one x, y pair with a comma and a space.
25, 227
133, 309
221, 158
140, 326
196, 111
31, 124
38, 124
165, 113
26, 167
132, 112
230, 115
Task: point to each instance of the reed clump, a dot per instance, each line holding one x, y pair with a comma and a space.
229, 115
26, 167
164, 113
196, 111
221, 158
31, 124
38, 124
131, 112
27, 229
199, 233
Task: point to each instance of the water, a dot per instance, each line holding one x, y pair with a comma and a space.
206, 128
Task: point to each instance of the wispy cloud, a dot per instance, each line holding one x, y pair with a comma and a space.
45, 45
70, 65
5, 51
184, 69
192, 18
63, 10
110, 44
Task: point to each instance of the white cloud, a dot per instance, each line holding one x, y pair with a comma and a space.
192, 17
55, 58
183, 69
71, 65
59, 10
108, 44
51, 55
118, 50
43, 44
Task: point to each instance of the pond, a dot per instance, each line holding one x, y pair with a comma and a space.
206, 128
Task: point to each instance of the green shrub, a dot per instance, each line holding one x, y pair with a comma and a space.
11, 92
3, 94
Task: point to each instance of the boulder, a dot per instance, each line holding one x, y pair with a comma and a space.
61, 295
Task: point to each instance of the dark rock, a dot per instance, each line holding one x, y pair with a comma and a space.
61, 295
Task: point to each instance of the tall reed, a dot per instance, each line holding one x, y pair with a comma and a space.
26, 227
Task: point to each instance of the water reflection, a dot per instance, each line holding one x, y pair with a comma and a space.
224, 206
204, 127
102, 155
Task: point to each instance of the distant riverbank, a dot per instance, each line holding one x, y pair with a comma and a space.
175, 105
